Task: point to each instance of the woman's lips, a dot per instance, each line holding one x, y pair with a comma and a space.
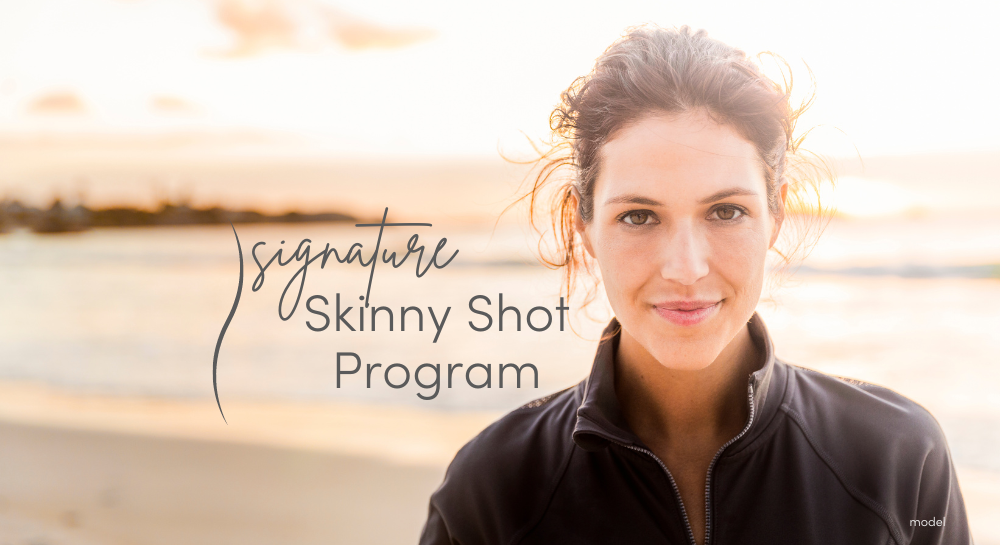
687, 313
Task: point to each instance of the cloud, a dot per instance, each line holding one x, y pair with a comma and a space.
259, 26
62, 102
171, 105
355, 33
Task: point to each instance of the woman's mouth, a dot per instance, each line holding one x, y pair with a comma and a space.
687, 313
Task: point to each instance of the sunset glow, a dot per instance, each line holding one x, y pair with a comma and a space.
401, 78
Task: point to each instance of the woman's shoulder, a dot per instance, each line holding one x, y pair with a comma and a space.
887, 450
498, 481
831, 405
537, 428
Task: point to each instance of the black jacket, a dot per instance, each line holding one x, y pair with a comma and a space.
822, 460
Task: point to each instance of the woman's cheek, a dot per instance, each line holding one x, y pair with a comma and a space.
622, 264
746, 242
742, 259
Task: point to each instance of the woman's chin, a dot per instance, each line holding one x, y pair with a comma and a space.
678, 358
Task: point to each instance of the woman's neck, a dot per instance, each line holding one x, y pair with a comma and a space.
673, 407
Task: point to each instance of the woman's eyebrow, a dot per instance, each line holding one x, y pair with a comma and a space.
719, 195
633, 199
727, 193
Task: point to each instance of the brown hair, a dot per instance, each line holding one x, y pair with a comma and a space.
654, 70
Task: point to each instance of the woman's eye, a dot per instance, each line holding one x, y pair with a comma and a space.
728, 213
637, 217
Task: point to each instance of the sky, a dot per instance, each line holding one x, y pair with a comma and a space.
447, 77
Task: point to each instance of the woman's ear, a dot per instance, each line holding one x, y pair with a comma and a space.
578, 224
783, 192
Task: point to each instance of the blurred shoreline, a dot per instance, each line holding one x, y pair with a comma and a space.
60, 219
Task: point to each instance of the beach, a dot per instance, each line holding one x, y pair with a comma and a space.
118, 470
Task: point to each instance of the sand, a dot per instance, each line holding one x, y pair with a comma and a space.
78, 469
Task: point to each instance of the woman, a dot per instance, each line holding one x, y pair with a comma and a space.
689, 429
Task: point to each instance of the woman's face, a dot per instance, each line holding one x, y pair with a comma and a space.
680, 232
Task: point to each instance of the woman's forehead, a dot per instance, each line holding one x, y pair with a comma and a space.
680, 153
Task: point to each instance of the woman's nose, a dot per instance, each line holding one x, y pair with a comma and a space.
684, 254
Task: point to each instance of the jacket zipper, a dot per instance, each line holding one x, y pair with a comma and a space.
708, 479
677, 492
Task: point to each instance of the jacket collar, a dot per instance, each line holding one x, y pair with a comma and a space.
599, 419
